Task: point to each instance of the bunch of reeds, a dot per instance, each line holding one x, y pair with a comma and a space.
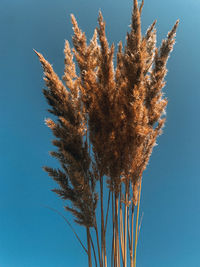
107, 123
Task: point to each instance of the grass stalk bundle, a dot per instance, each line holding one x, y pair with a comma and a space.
107, 121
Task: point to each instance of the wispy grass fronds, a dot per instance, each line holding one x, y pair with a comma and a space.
107, 122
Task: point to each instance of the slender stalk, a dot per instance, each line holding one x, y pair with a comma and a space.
121, 228
136, 227
105, 259
89, 247
113, 259
128, 215
117, 231
108, 205
70, 227
98, 246
129, 235
103, 253
132, 224
125, 223
140, 225
105, 226
95, 258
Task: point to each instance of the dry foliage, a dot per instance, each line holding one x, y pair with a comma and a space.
108, 122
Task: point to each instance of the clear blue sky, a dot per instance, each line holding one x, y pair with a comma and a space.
30, 234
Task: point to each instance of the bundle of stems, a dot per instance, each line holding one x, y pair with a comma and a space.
107, 123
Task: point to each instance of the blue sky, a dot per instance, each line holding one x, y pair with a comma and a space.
30, 234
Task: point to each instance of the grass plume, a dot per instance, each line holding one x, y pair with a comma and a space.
108, 121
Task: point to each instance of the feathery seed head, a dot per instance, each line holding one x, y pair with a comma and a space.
115, 113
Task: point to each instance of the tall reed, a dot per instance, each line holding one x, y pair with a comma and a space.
108, 120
